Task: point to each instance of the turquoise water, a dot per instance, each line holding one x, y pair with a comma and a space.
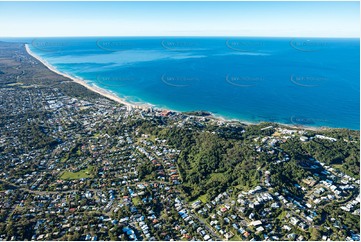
312, 82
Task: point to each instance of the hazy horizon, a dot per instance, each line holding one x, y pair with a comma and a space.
180, 19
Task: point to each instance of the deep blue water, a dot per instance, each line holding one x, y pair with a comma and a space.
313, 82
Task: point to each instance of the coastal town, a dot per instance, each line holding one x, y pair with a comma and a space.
78, 166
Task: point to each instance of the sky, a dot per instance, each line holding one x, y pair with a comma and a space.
277, 19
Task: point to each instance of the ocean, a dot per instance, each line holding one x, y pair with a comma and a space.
298, 81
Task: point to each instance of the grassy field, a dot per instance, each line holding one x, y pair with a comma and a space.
217, 177
282, 215
136, 200
236, 238
202, 198
85, 173
213, 177
337, 166
96, 135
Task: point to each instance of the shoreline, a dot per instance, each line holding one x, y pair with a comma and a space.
114, 97
92, 88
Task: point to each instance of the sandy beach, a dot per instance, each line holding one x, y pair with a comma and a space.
96, 89
115, 98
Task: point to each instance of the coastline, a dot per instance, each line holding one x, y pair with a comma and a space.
120, 100
92, 88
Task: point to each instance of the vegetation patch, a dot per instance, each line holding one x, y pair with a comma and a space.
136, 201
85, 173
202, 198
